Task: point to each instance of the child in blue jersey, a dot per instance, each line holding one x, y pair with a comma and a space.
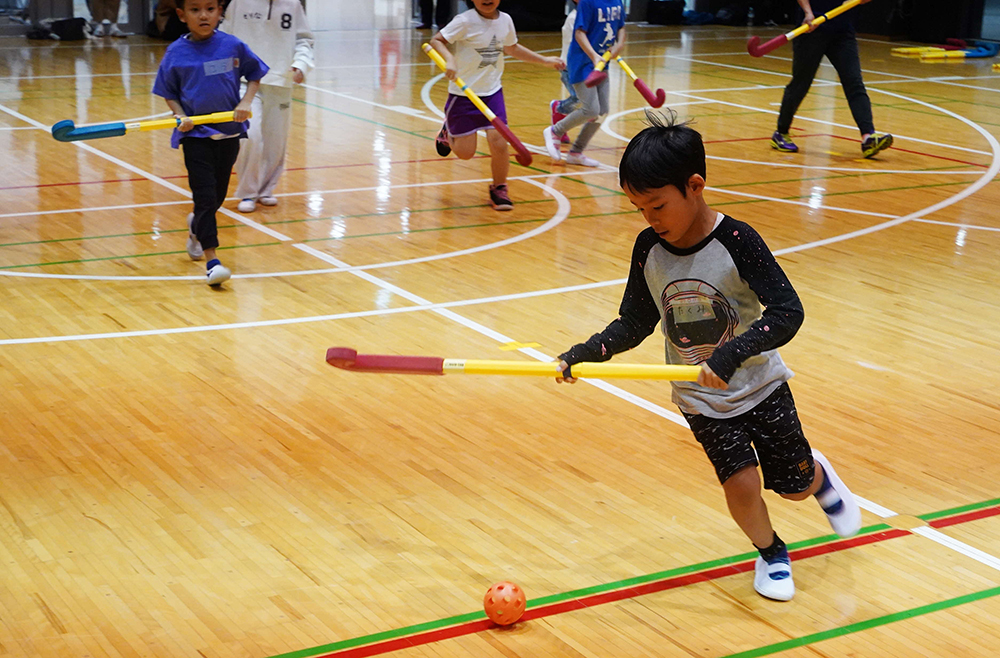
704, 276
200, 74
600, 26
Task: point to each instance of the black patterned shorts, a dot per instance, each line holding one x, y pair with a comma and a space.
773, 429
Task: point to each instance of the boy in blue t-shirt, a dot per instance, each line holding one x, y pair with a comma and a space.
200, 74
600, 26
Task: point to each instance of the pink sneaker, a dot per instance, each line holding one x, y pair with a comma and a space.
556, 118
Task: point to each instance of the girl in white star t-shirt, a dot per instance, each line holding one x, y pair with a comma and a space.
481, 37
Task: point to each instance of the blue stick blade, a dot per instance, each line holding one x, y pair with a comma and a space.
63, 128
65, 132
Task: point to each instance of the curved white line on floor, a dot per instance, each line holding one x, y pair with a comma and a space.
562, 212
974, 187
425, 95
963, 194
610, 131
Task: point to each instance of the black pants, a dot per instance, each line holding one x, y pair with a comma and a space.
209, 165
441, 16
841, 48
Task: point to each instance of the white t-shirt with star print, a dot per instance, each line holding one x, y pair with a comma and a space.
478, 45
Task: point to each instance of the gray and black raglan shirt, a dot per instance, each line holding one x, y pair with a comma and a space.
707, 299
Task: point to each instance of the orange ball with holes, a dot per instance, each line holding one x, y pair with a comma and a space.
504, 603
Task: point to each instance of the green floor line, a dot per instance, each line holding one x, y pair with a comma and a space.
846, 193
560, 597
95, 237
158, 253
589, 184
429, 230
293, 221
402, 130
680, 571
835, 176
865, 625
961, 509
607, 214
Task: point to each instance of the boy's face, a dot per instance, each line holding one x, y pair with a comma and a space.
671, 214
487, 8
201, 16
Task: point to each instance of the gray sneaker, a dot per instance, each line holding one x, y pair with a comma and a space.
193, 246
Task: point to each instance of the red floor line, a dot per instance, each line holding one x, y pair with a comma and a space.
87, 182
964, 518
758, 139
470, 628
928, 155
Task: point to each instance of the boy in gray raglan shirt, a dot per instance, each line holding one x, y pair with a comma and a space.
704, 277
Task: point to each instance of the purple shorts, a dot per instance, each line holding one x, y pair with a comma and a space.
463, 118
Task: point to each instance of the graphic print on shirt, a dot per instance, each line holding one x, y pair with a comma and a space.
698, 318
606, 15
490, 54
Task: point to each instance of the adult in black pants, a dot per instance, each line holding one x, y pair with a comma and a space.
836, 40
441, 15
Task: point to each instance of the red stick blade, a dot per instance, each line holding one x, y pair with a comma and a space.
654, 100
523, 155
341, 357
595, 78
347, 359
756, 49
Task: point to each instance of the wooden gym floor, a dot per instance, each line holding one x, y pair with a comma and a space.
182, 474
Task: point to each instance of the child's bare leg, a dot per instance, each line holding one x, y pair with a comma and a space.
500, 156
465, 146
210, 254
747, 507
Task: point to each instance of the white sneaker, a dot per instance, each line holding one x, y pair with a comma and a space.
773, 581
115, 31
247, 205
218, 275
847, 521
193, 246
582, 160
268, 200
551, 145
99, 30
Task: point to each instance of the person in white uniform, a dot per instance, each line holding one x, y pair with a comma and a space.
278, 31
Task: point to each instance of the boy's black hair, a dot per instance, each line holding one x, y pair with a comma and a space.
665, 153
222, 4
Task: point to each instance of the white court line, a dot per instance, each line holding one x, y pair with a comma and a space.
928, 533
309, 319
65, 211
842, 125
934, 535
606, 127
943, 80
490, 333
957, 225
152, 177
402, 109
371, 188
556, 219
